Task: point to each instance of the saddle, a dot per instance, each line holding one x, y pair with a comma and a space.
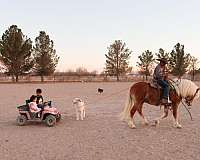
154, 84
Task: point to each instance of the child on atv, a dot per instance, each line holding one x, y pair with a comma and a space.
33, 105
39, 100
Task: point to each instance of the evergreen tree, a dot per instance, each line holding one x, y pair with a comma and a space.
145, 63
45, 55
15, 52
162, 54
117, 59
179, 60
193, 67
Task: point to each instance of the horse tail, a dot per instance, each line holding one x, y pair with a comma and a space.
126, 113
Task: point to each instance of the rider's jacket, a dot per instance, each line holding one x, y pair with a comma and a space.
159, 72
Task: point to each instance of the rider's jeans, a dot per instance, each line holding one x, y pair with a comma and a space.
164, 84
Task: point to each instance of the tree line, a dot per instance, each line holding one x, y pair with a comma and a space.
19, 56
179, 62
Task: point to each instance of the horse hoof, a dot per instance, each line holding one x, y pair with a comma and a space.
178, 126
131, 125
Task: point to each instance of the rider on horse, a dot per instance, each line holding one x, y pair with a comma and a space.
160, 76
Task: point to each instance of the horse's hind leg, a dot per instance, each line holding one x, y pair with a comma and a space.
142, 115
175, 115
132, 112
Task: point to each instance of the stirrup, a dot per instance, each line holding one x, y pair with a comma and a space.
165, 102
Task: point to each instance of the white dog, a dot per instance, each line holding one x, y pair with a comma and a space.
80, 108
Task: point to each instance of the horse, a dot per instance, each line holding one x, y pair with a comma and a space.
143, 92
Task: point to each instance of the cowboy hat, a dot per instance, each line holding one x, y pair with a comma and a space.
164, 60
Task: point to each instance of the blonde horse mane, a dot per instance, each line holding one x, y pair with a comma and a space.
185, 87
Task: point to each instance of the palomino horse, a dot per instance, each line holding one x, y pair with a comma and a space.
142, 92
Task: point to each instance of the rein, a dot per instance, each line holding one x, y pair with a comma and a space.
187, 110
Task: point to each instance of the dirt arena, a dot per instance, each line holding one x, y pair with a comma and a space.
101, 136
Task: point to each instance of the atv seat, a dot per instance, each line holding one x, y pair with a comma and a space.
23, 107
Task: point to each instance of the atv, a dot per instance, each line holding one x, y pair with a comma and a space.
49, 115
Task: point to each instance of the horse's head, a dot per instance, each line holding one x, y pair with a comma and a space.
189, 99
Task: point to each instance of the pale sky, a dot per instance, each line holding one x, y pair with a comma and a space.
83, 29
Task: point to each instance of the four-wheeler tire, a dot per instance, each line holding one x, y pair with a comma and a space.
21, 120
50, 120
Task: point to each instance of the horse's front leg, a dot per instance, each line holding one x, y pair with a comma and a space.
175, 115
165, 114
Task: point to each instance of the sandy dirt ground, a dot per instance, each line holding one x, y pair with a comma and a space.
101, 136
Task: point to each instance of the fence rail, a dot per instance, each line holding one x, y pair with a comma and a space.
30, 79
68, 78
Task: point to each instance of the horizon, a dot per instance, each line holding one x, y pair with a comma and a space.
85, 29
